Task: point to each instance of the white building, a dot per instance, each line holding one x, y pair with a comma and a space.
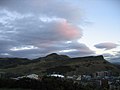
32, 76
57, 75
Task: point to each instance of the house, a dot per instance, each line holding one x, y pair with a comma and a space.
102, 74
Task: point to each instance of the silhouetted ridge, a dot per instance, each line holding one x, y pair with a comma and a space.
100, 57
55, 56
52, 55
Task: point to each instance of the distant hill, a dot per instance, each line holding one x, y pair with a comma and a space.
54, 63
12, 62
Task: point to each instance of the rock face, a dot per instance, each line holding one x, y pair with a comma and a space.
63, 64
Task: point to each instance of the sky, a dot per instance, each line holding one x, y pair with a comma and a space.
77, 28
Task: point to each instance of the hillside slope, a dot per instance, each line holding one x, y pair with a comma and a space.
12, 62
63, 64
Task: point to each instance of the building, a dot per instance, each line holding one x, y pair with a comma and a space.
57, 75
102, 74
33, 76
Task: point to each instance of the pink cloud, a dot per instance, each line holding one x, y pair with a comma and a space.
68, 30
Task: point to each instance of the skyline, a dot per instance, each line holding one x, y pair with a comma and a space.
73, 27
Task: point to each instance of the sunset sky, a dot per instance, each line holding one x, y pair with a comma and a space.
35, 28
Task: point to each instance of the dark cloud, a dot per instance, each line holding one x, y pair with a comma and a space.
74, 50
29, 29
108, 55
113, 58
56, 8
77, 49
33, 28
106, 45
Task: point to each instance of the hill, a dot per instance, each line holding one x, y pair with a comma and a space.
61, 64
12, 62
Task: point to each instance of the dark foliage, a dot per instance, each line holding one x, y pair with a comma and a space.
47, 83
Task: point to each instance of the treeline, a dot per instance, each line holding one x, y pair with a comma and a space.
47, 83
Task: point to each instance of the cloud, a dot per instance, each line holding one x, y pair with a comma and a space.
31, 27
77, 49
56, 8
106, 45
78, 53
108, 55
115, 58
34, 28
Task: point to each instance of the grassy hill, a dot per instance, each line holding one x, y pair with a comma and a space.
61, 64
